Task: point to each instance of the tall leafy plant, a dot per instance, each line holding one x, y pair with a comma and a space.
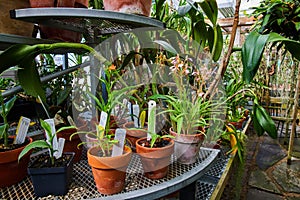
278, 24
5, 107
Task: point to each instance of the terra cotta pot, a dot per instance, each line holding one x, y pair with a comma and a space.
155, 161
109, 172
187, 147
141, 7
71, 145
133, 134
12, 171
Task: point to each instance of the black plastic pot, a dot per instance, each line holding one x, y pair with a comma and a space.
51, 181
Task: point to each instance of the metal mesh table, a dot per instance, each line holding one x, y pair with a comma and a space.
137, 186
90, 22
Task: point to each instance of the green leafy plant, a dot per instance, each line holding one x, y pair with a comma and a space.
43, 143
103, 140
189, 19
5, 107
22, 55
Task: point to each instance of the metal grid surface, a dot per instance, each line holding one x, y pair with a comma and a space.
218, 168
83, 186
204, 190
87, 21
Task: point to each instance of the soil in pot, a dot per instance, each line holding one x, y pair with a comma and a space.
155, 160
109, 172
133, 134
12, 171
187, 147
141, 7
51, 180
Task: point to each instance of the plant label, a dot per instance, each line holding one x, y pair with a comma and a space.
136, 113
61, 144
71, 121
53, 131
22, 129
118, 148
129, 107
103, 119
124, 107
151, 118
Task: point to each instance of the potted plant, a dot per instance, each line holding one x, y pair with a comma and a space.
155, 155
235, 99
109, 170
11, 171
156, 149
50, 173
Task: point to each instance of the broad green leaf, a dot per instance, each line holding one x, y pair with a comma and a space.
252, 51
46, 127
179, 125
210, 9
36, 144
166, 46
15, 55
9, 104
128, 58
210, 37
63, 95
297, 25
183, 10
29, 78
3, 129
66, 128
218, 43
291, 45
200, 33
257, 127
266, 121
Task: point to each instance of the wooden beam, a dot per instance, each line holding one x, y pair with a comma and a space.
228, 22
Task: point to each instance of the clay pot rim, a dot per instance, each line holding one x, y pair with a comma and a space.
156, 148
16, 151
127, 150
109, 162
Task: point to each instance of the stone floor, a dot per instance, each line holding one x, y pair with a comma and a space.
265, 174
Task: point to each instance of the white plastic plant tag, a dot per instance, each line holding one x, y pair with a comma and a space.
136, 113
151, 118
118, 148
61, 145
22, 129
53, 132
129, 107
103, 119
71, 121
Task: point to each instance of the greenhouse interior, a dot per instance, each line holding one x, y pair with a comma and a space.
150, 99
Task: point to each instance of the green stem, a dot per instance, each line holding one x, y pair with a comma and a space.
5, 135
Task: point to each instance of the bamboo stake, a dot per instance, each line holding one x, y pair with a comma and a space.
295, 110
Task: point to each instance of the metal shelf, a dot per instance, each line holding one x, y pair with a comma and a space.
87, 21
137, 185
7, 40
